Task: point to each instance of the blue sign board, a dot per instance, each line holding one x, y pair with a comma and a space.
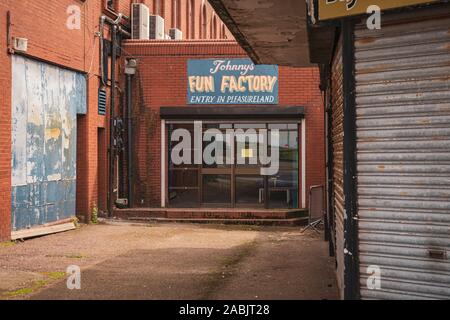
231, 81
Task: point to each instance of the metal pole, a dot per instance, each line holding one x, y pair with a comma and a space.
112, 153
129, 140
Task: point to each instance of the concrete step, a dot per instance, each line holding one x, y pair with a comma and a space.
260, 222
216, 215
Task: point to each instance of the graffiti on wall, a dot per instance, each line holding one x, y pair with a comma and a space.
45, 103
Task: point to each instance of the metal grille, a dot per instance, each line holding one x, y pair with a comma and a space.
101, 102
403, 154
337, 139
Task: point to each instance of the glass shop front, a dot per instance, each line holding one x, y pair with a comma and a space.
233, 164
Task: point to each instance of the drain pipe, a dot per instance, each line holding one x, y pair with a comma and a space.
115, 28
116, 23
126, 34
130, 148
130, 71
112, 149
102, 67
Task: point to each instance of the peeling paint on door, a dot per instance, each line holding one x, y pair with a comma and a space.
45, 103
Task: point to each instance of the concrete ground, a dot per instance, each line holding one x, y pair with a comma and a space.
121, 260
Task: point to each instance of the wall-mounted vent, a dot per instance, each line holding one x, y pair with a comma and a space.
175, 34
102, 102
140, 21
156, 27
21, 44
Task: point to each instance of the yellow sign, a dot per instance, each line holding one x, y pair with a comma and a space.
247, 153
332, 9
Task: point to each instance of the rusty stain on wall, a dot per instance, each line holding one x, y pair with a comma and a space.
45, 103
53, 133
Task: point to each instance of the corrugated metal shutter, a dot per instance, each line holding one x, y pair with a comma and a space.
337, 138
403, 146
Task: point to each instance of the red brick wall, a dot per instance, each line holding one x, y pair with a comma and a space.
163, 82
300, 86
167, 7
44, 24
5, 131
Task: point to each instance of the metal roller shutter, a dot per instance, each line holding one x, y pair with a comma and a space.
403, 157
337, 137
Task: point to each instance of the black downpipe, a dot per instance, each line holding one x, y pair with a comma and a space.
129, 140
112, 149
351, 273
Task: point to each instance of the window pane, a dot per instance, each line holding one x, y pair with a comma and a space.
288, 150
279, 126
183, 198
283, 190
250, 189
217, 188
279, 199
288, 139
183, 178
250, 126
286, 179
186, 154
216, 140
246, 148
288, 159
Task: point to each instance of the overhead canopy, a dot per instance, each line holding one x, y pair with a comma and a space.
280, 31
270, 31
232, 113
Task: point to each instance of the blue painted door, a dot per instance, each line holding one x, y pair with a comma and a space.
45, 103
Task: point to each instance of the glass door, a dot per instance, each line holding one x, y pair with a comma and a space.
217, 169
283, 186
183, 178
248, 181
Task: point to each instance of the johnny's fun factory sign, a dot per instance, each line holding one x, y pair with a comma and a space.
231, 81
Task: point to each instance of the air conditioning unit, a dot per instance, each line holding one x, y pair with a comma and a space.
156, 27
175, 34
140, 21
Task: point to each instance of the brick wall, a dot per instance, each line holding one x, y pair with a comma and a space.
300, 86
185, 22
5, 131
44, 24
162, 81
